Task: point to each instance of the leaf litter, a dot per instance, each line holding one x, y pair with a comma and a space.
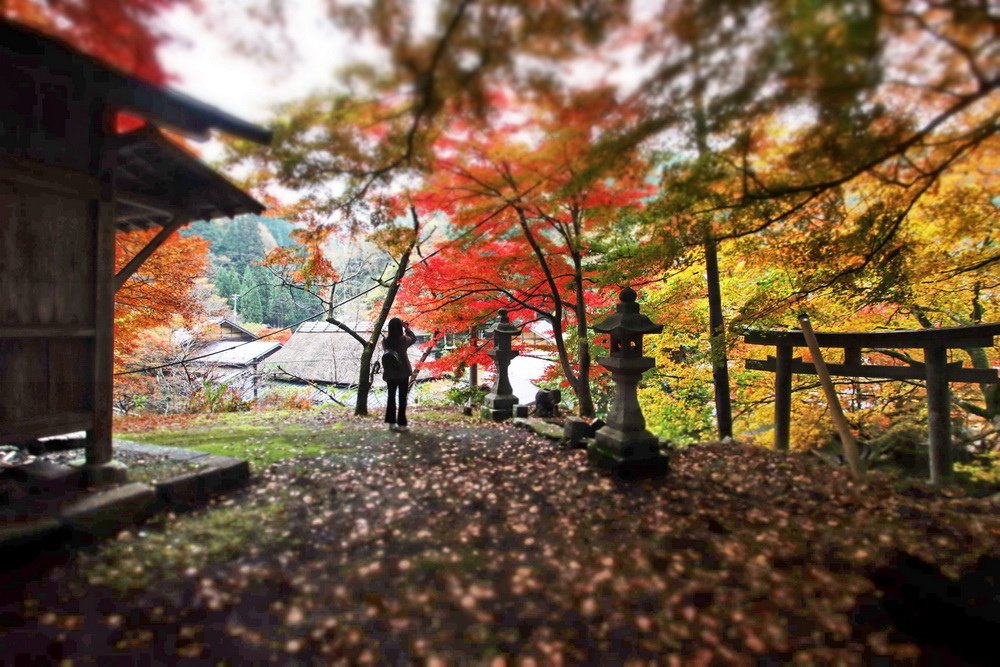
468, 542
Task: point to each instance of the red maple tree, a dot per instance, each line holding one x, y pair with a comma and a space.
530, 203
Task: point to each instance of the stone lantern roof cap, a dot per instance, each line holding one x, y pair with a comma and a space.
627, 317
504, 325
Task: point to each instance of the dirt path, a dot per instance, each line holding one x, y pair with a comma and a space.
473, 544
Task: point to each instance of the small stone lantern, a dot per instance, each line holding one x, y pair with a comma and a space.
623, 444
500, 402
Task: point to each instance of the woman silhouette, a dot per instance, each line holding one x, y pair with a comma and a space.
396, 371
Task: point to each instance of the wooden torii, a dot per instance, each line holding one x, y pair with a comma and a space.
935, 370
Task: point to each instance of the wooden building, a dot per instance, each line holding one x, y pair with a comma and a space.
68, 182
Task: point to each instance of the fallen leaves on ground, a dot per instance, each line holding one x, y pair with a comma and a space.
467, 542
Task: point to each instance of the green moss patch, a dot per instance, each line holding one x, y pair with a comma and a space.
183, 545
258, 443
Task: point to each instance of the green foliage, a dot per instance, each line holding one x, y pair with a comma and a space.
235, 243
981, 474
227, 283
251, 308
217, 397
465, 395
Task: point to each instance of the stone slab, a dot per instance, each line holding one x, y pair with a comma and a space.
541, 427
181, 490
172, 453
106, 513
221, 473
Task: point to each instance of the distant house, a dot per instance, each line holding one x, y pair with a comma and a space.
231, 355
538, 334
222, 328
322, 353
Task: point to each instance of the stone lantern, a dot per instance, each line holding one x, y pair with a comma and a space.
500, 402
623, 444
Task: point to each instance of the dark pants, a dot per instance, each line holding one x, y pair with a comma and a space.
402, 386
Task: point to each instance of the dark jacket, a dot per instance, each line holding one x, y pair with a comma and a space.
400, 345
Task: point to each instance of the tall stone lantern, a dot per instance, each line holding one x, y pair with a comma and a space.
623, 444
500, 402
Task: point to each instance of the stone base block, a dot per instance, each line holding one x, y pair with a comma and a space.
46, 477
647, 464
105, 514
575, 431
628, 467
496, 415
498, 407
628, 444
103, 474
521, 411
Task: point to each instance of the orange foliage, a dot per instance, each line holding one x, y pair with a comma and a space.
162, 288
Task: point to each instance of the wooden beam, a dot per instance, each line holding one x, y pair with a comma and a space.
20, 430
977, 335
148, 250
954, 371
47, 331
48, 177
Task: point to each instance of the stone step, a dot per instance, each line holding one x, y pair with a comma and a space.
106, 513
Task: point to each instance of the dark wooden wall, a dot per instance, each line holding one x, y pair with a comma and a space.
55, 259
47, 306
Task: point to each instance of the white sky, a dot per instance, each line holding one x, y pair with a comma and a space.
207, 65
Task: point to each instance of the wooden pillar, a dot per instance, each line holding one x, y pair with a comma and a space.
782, 397
938, 414
99, 436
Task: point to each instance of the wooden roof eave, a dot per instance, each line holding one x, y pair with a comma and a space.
168, 207
180, 112
170, 160
129, 93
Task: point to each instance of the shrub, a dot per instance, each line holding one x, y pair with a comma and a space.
217, 397
463, 394
298, 399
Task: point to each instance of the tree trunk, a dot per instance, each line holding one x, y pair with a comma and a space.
583, 393
364, 373
717, 341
